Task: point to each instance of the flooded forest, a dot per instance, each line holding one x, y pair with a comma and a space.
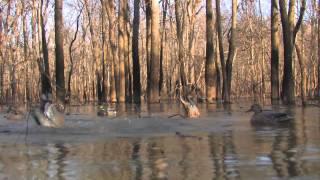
159, 89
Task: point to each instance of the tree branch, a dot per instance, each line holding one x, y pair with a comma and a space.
299, 22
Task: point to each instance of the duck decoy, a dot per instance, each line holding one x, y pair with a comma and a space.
268, 117
48, 115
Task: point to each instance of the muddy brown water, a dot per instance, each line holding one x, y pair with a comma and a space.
143, 143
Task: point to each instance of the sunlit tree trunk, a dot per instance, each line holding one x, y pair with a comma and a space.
68, 93
121, 52
218, 73
148, 44
232, 49
60, 84
1, 53
227, 66
300, 55
180, 34
318, 86
210, 74
275, 42
290, 31
102, 92
163, 33
300, 50
114, 79
135, 53
155, 53
221, 51
127, 61
34, 49
96, 65
25, 50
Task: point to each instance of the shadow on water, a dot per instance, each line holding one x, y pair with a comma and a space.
141, 142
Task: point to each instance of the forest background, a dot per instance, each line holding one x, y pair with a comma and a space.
132, 50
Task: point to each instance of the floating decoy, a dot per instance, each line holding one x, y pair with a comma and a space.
268, 117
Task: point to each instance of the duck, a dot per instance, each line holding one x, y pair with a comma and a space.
192, 111
106, 111
14, 114
48, 115
268, 117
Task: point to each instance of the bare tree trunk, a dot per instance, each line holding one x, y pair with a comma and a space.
58, 19
68, 93
289, 35
227, 67
1, 54
232, 49
34, 49
95, 55
180, 34
135, 53
44, 62
210, 74
122, 46
164, 16
128, 76
148, 44
155, 53
302, 73
114, 80
218, 84
25, 50
221, 50
318, 86
275, 42
101, 66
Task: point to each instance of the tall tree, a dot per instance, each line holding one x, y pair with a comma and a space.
290, 31
25, 49
95, 55
44, 61
210, 71
227, 66
58, 25
114, 83
135, 53
1, 54
275, 42
148, 44
127, 58
68, 93
232, 47
180, 19
122, 47
318, 87
163, 40
155, 53
221, 51
301, 60
300, 50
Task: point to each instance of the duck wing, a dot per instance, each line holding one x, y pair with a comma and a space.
41, 119
280, 117
54, 115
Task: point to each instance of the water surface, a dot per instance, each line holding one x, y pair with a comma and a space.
144, 143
